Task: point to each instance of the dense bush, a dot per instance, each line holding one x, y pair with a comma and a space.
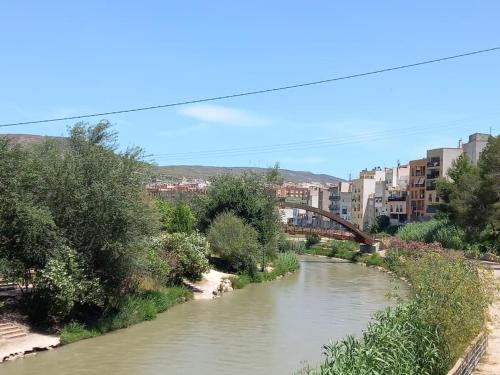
187, 255
175, 217
234, 242
434, 230
312, 239
62, 285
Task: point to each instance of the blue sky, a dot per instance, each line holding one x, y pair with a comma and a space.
61, 58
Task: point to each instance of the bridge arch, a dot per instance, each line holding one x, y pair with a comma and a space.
359, 235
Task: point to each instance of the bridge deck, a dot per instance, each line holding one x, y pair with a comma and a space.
358, 234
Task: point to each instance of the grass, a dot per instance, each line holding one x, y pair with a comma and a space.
283, 264
127, 311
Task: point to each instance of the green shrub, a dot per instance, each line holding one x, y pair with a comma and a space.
380, 224
157, 265
282, 264
285, 263
127, 310
441, 231
393, 344
339, 245
319, 250
235, 242
175, 217
63, 284
285, 245
375, 260
75, 331
312, 239
240, 281
453, 295
187, 255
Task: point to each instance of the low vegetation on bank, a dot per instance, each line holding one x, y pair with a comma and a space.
283, 264
447, 308
127, 311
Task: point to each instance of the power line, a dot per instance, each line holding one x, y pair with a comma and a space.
354, 140
321, 142
248, 93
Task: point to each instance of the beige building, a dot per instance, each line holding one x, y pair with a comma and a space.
363, 192
377, 174
477, 143
439, 162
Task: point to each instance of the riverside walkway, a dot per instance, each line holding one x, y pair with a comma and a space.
490, 363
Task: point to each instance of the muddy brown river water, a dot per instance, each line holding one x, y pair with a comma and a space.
270, 328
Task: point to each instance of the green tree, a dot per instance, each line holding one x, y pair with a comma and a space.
175, 217
27, 230
251, 197
234, 242
381, 224
471, 198
96, 198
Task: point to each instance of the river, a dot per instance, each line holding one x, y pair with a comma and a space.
268, 328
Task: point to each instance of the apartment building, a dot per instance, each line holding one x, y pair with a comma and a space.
477, 143
297, 193
363, 189
416, 206
398, 176
377, 174
439, 162
396, 206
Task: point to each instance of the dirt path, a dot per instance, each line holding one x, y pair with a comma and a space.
490, 363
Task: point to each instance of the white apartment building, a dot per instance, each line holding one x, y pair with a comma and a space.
363, 189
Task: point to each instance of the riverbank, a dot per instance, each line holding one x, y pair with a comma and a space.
444, 279
212, 284
31, 343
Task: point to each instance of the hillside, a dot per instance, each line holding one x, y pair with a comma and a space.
27, 140
199, 171
177, 172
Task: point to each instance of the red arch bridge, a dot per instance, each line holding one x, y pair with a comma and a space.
350, 231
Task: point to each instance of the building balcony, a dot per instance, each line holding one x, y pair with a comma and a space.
396, 199
434, 173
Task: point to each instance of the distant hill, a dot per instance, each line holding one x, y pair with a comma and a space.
177, 172
27, 140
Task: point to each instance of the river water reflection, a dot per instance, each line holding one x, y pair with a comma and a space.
263, 329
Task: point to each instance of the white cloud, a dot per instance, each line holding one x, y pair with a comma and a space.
223, 115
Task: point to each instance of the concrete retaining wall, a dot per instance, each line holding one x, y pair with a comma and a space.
468, 362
